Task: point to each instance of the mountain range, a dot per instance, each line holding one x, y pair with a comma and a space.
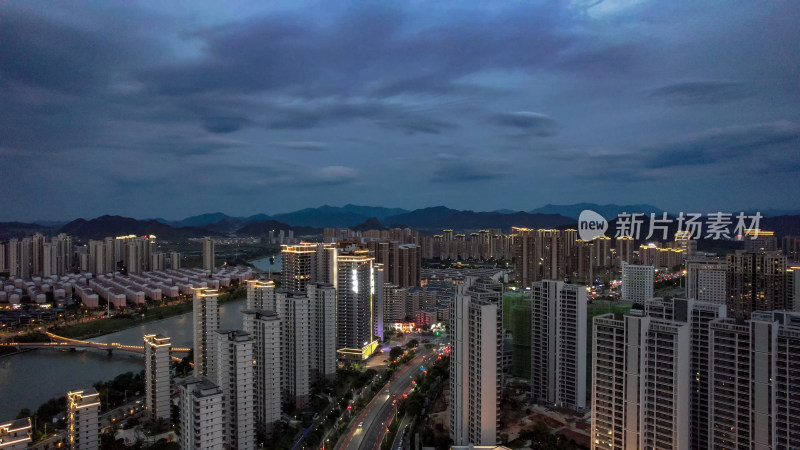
310, 221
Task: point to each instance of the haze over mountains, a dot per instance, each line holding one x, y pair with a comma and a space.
310, 221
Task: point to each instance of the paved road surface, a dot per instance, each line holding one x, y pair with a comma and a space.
379, 412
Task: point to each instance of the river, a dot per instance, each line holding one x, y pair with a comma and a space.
264, 263
29, 379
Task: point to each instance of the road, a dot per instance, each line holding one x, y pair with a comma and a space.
379, 412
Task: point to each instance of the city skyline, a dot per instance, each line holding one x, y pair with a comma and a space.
279, 107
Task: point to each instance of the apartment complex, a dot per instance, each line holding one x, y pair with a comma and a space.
640, 383
209, 254
157, 376
83, 419
756, 281
15, 434
755, 380
476, 331
233, 373
356, 315
681, 374
308, 263
265, 329
637, 283
322, 331
202, 406
558, 344
706, 280
205, 316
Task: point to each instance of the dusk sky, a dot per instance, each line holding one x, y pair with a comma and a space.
170, 109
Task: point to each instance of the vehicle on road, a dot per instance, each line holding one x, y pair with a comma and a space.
361, 425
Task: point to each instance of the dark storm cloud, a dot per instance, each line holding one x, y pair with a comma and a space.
223, 124
141, 93
735, 143
450, 168
302, 145
360, 45
703, 92
75, 55
528, 123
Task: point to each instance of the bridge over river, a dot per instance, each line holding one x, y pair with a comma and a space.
60, 342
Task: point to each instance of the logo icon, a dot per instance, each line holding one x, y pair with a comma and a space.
591, 225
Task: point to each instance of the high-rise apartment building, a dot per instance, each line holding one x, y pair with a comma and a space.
209, 255
756, 282
699, 314
637, 283
539, 255
233, 373
790, 247
322, 331
640, 383
202, 405
174, 260
265, 328
205, 316
157, 376
476, 328
308, 263
706, 280
355, 288
624, 246
401, 262
260, 293
15, 434
83, 419
754, 382
757, 241
293, 310
793, 287
558, 344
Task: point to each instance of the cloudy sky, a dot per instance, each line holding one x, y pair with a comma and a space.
171, 109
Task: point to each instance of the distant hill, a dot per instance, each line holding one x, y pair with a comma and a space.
334, 216
370, 224
226, 225
263, 227
609, 211
439, 217
201, 220
116, 226
11, 230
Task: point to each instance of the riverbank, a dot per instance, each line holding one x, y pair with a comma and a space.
99, 327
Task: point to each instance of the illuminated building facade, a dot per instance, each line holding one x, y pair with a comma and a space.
205, 316
15, 434
83, 418
157, 376
355, 309
308, 263
637, 283
705, 280
756, 282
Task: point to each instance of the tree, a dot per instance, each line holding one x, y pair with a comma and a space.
412, 343
395, 353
